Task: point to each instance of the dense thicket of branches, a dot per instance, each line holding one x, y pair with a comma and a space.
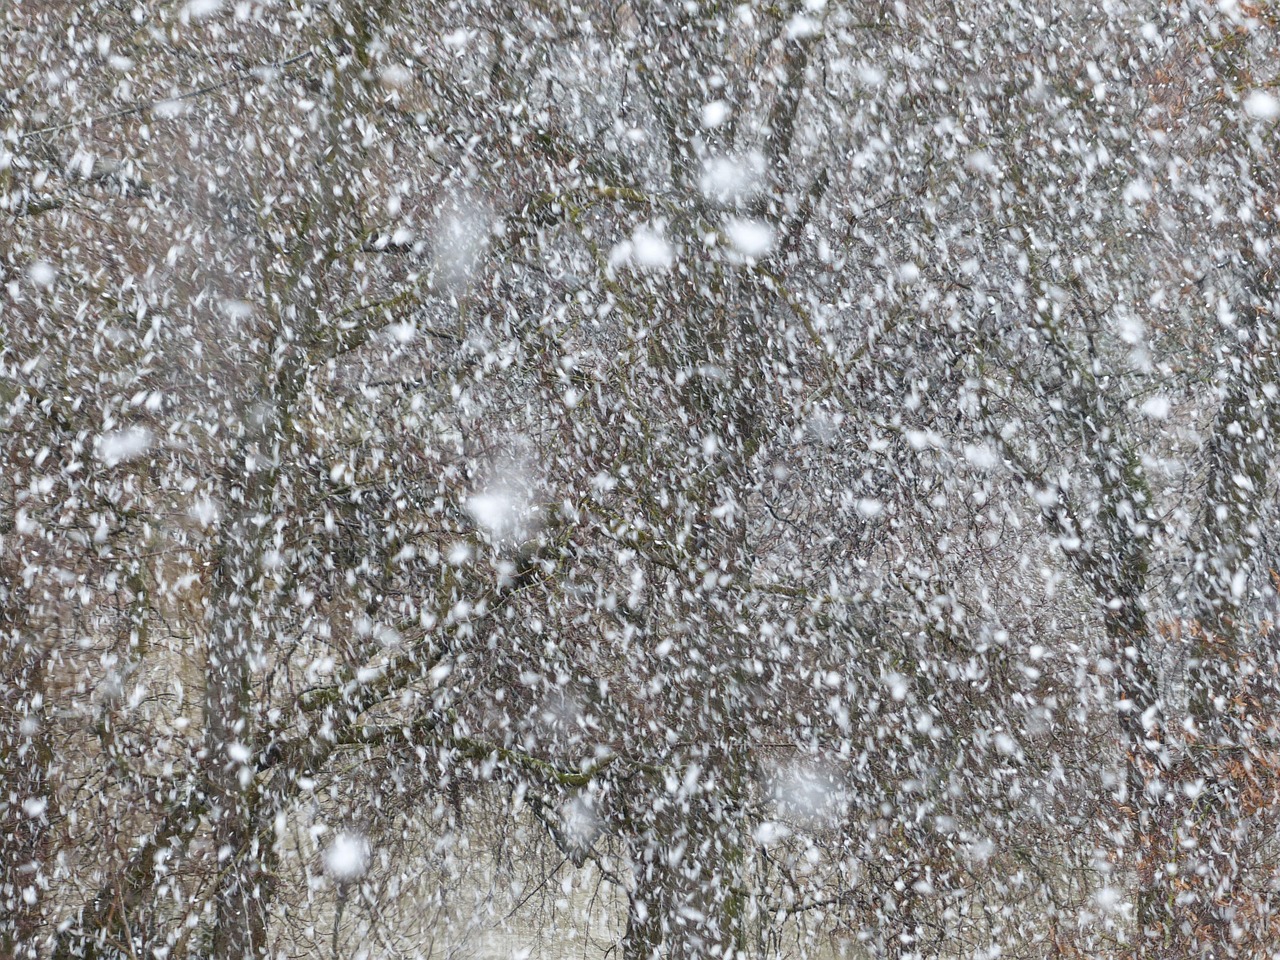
804, 467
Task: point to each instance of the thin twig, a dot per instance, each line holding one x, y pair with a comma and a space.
189, 95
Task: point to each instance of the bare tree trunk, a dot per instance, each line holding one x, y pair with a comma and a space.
688, 897
231, 741
1140, 722
24, 763
239, 929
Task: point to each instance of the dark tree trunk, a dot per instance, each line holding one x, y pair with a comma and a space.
24, 763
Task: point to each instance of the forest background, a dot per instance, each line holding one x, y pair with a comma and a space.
665, 479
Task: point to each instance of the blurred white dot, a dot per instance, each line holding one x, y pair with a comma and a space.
714, 114
348, 857
42, 273
1262, 105
751, 238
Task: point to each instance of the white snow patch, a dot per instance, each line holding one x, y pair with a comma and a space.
869, 507
801, 27
1109, 899
808, 794
493, 511
205, 512
1262, 105
731, 180
580, 825
1138, 190
925, 440
117, 446
504, 510
461, 239
458, 39
871, 75
347, 857
395, 76
1131, 330
751, 238
647, 249
170, 109
981, 850
714, 113
1157, 408
200, 9
981, 161
238, 752
42, 273
652, 251
981, 456
1239, 581
402, 332
1047, 498
770, 832
898, 686
237, 309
